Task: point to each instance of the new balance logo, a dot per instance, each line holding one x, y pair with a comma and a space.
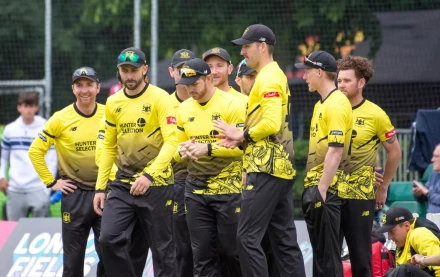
318, 205
366, 213
237, 210
118, 110
249, 187
73, 129
169, 203
191, 119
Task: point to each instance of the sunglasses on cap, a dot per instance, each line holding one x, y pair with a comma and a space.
131, 57
313, 64
189, 72
85, 71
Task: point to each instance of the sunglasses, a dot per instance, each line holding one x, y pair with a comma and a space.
188, 72
313, 64
131, 57
85, 71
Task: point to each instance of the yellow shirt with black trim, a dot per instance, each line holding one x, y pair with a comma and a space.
140, 135
331, 126
99, 146
268, 132
220, 171
371, 127
239, 95
423, 242
179, 168
74, 136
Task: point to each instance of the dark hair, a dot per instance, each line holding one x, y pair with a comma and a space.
28, 98
362, 67
270, 49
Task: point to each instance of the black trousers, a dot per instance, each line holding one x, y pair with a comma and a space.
182, 241
356, 226
267, 205
121, 213
407, 270
78, 218
323, 221
212, 222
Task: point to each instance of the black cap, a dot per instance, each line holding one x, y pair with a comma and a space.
217, 51
243, 69
132, 56
394, 216
319, 60
195, 68
85, 72
181, 56
256, 33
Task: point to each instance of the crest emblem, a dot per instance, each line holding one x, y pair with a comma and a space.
384, 219
184, 55
66, 217
215, 50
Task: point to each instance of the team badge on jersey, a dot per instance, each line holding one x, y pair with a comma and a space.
66, 217
146, 108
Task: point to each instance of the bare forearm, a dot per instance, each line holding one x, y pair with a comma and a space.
331, 165
391, 166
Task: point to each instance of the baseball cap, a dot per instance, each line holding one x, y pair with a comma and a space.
319, 60
181, 56
393, 217
85, 72
243, 69
132, 56
256, 33
192, 70
217, 51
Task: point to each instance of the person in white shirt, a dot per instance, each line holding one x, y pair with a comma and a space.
25, 191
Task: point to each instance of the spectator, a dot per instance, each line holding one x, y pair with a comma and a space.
412, 236
431, 191
26, 192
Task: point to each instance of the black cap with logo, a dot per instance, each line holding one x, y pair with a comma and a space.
219, 52
256, 33
85, 72
319, 60
132, 56
393, 217
243, 69
192, 70
181, 56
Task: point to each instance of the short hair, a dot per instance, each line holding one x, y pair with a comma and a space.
363, 68
270, 49
331, 75
29, 98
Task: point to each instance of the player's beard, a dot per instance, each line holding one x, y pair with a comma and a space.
134, 86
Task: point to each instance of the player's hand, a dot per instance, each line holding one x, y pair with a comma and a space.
193, 149
3, 185
230, 132
229, 143
140, 186
417, 259
98, 202
65, 186
381, 197
379, 177
323, 191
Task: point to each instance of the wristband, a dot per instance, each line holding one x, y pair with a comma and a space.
422, 261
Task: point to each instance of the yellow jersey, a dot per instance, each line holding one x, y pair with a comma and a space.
371, 127
220, 171
140, 135
331, 126
268, 132
179, 168
74, 136
99, 145
244, 98
423, 242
